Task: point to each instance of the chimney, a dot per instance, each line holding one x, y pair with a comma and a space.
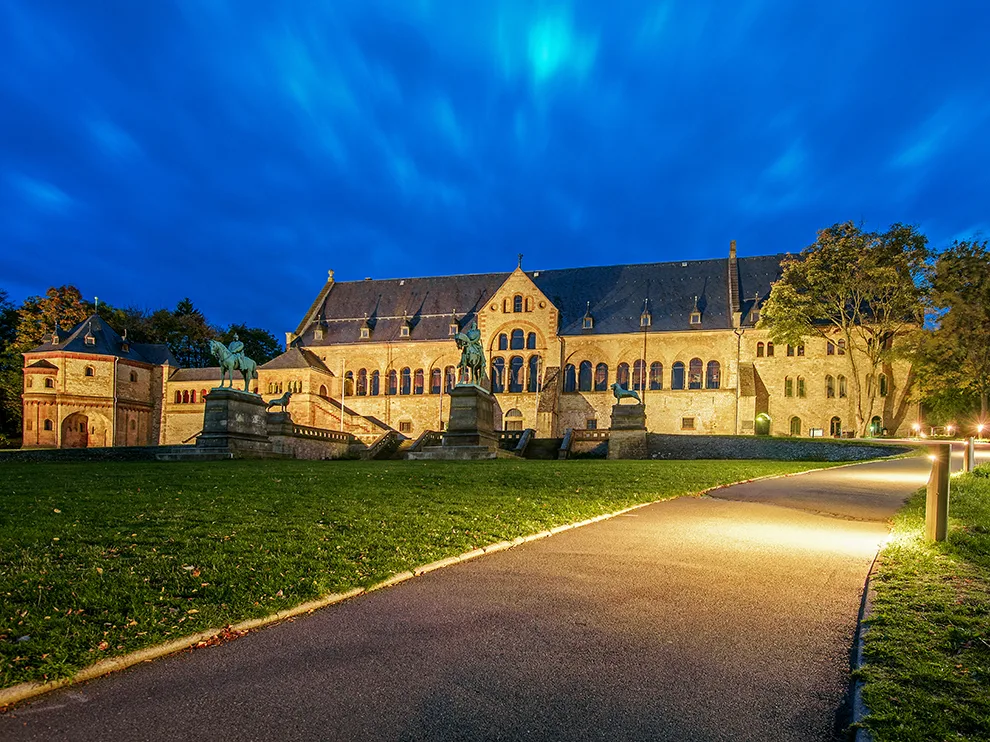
733, 285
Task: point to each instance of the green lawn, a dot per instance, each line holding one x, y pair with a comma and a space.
98, 560
927, 649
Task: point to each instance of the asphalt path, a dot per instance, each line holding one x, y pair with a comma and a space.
725, 617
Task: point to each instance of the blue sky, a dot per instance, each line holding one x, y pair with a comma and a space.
233, 151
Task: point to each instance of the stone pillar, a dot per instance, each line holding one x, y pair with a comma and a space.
627, 439
472, 419
235, 420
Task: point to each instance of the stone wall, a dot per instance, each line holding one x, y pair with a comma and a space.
779, 449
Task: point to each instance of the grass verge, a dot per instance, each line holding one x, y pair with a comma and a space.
927, 650
97, 560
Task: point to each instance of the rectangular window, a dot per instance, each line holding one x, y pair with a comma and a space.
453, 329
800, 386
829, 348
591, 424
790, 349
588, 324
800, 350
788, 387
365, 333
644, 321
695, 318
687, 423
405, 427
404, 331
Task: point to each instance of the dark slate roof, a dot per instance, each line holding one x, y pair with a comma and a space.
617, 296
210, 373
42, 364
296, 357
426, 303
107, 343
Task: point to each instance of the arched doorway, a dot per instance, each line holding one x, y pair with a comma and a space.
762, 424
835, 427
876, 426
75, 431
513, 420
795, 425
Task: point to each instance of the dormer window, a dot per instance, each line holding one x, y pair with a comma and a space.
588, 322
695, 318
365, 332
125, 347
453, 329
404, 331
318, 332
645, 320
89, 339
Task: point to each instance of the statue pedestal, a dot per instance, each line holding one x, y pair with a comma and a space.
470, 432
627, 438
237, 421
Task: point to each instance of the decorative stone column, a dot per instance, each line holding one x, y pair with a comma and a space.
237, 421
627, 438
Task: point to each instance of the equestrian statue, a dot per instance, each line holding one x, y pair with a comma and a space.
471, 367
232, 359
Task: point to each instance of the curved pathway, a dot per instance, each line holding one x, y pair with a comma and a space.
726, 617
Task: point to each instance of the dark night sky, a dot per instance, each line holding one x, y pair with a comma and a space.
232, 151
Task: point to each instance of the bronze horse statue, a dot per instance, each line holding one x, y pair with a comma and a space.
233, 361
472, 357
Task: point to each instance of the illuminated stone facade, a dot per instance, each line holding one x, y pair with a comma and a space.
682, 333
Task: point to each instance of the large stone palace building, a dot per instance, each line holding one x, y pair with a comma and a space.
374, 355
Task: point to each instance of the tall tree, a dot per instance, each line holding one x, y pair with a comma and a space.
956, 354
39, 314
185, 331
864, 288
259, 345
10, 374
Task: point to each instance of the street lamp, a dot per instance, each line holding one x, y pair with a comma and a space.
916, 427
979, 430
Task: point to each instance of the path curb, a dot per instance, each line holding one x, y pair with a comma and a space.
24, 691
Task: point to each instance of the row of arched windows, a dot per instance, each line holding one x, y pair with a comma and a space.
695, 375
188, 396
835, 386
404, 381
517, 340
519, 375
766, 350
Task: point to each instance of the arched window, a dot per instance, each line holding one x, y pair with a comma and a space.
801, 389
517, 303
436, 380
584, 377
829, 350
376, 383
769, 350
835, 427
393, 382
49, 425
694, 373
533, 377
713, 375
656, 376
883, 385
192, 397
622, 375
759, 350
133, 376
498, 375
601, 377
503, 341
516, 374
639, 375
516, 343
323, 390
362, 382
876, 426
570, 378
202, 395
531, 341
677, 375
348, 383
795, 426
90, 371
132, 424
829, 387
185, 396
529, 303
513, 420
49, 383
842, 347
842, 386
178, 397
788, 386
418, 381
450, 374
405, 381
